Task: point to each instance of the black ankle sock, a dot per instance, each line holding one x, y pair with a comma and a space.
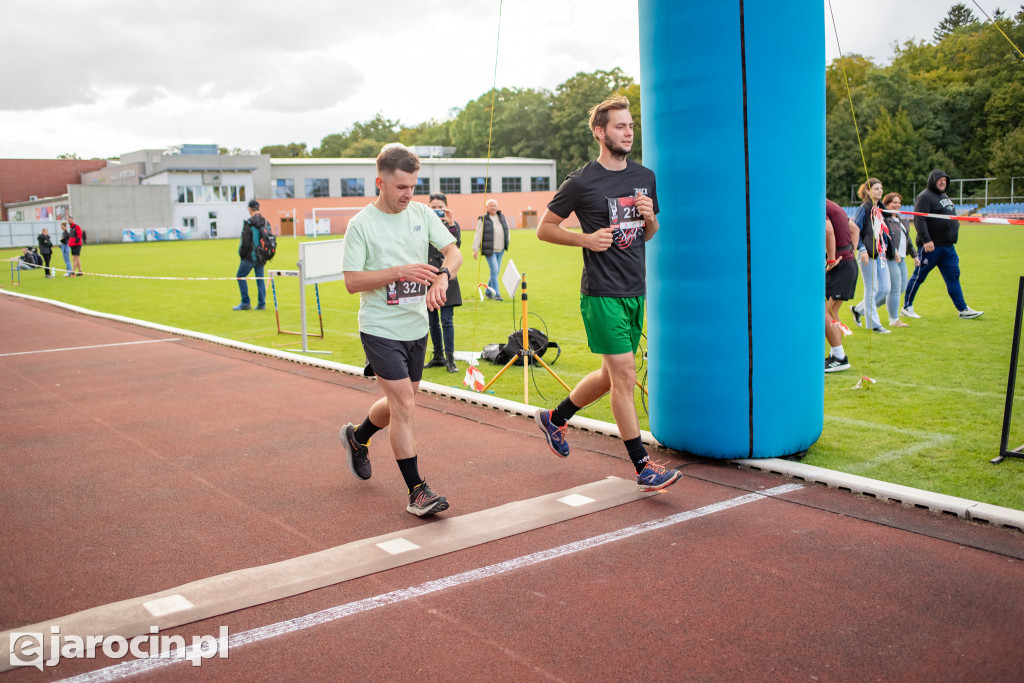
366, 430
410, 472
564, 412
637, 453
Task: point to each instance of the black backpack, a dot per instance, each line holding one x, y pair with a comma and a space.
539, 343
264, 244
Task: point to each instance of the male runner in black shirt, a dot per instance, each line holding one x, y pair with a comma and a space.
616, 203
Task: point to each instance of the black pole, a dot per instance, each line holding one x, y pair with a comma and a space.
1008, 410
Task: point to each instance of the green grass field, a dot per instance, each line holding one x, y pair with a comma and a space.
932, 421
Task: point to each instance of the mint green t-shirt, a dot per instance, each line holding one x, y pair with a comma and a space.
376, 240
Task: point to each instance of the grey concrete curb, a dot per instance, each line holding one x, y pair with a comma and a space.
961, 507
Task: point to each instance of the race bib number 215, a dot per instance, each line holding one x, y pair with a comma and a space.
625, 220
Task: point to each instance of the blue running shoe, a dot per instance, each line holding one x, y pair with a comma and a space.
555, 435
655, 477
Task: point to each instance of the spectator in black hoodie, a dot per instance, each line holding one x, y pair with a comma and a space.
936, 241
249, 260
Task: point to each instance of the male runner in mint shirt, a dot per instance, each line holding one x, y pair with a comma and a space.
386, 262
616, 202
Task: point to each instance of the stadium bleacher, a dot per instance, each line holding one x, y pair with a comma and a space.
1004, 210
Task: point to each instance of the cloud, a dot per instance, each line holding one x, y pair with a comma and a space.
306, 82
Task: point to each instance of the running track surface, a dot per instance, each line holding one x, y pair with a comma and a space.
129, 468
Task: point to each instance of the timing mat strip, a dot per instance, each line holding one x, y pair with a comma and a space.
244, 588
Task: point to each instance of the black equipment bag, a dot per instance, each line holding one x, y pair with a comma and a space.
539, 344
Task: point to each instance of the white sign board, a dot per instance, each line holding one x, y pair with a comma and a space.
321, 261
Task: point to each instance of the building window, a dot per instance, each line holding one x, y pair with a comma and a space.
451, 185
353, 187
511, 184
283, 188
479, 185
422, 186
540, 184
213, 223
317, 187
189, 222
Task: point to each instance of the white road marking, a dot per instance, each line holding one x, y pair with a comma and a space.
169, 605
575, 500
139, 666
397, 545
82, 348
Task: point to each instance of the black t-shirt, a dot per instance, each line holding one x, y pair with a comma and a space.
602, 198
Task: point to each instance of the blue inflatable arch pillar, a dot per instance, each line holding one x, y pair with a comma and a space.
734, 127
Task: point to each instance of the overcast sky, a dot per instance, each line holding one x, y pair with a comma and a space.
101, 77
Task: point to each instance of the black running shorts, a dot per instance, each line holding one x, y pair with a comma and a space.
841, 281
393, 359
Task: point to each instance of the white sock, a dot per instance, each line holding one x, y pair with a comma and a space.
838, 353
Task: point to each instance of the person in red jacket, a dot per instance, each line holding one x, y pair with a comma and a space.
75, 241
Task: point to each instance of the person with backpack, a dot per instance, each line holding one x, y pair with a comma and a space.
248, 252
29, 259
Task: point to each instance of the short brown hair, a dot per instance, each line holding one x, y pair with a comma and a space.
891, 196
599, 114
397, 157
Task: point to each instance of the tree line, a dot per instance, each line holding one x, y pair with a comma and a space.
528, 122
956, 103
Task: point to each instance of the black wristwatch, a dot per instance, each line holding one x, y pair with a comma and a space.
446, 272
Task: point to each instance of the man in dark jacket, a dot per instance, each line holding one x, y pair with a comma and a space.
249, 260
936, 241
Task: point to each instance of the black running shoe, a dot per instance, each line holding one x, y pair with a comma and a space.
358, 454
423, 502
833, 364
856, 315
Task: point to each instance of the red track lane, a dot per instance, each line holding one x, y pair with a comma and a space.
131, 469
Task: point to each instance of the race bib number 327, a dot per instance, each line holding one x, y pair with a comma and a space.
403, 292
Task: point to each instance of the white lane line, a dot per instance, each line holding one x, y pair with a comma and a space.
139, 666
925, 440
957, 390
81, 348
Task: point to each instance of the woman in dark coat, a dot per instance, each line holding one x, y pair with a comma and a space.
442, 320
45, 249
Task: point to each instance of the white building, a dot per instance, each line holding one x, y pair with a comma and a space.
308, 178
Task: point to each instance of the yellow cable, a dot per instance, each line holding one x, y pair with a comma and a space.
864, 161
998, 29
487, 177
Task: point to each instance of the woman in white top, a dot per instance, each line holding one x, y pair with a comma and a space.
900, 246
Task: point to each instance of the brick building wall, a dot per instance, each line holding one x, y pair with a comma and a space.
22, 178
